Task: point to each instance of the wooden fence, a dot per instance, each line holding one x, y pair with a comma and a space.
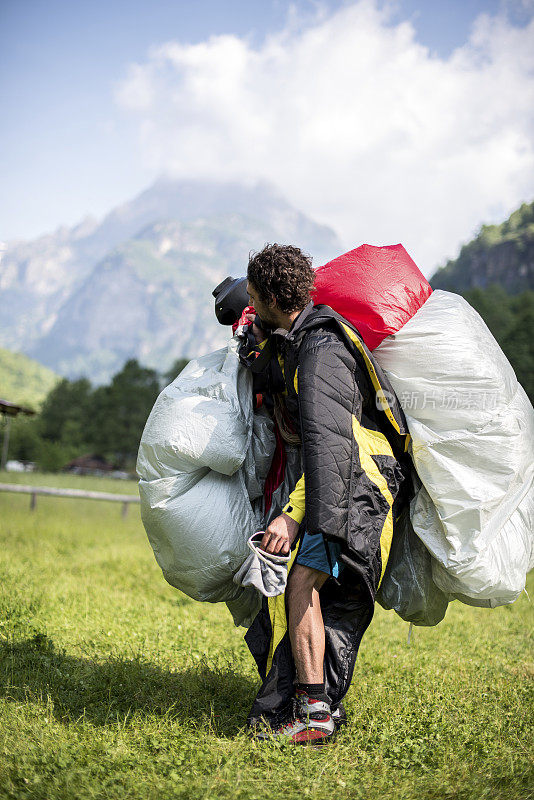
79, 494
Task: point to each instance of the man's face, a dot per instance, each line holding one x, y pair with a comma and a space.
263, 309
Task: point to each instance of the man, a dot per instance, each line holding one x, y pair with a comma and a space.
326, 380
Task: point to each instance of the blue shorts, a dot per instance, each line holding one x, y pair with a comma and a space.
312, 553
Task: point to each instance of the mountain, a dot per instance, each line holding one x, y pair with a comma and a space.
186, 201
138, 283
24, 381
501, 254
151, 297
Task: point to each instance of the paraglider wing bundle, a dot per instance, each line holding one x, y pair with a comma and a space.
472, 430
202, 462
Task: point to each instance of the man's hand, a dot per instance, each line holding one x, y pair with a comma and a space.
256, 330
280, 535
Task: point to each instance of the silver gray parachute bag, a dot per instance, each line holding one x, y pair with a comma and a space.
202, 463
472, 445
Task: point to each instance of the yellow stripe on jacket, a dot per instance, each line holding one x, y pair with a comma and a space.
374, 443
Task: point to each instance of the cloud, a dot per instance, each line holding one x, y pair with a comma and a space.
354, 120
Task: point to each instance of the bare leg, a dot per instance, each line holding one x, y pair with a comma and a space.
306, 627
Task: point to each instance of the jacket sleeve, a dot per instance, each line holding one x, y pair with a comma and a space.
295, 508
329, 396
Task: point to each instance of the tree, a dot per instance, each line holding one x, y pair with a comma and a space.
52, 456
120, 411
493, 305
65, 413
25, 439
519, 342
175, 370
510, 318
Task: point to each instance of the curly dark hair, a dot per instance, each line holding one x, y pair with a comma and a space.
283, 272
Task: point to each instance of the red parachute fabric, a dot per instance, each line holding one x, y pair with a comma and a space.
377, 289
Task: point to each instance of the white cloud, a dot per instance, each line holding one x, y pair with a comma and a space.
354, 120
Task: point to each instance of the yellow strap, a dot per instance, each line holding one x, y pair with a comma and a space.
281, 362
374, 378
277, 605
277, 614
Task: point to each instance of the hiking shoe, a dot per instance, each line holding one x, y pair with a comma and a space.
312, 723
339, 715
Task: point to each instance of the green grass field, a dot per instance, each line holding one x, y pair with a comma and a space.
114, 685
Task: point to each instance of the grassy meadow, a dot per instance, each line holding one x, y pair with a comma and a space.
114, 685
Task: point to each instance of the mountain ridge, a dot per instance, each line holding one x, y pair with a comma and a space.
501, 254
82, 299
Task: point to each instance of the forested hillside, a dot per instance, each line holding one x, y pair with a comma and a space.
495, 273
511, 320
77, 419
24, 381
501, 254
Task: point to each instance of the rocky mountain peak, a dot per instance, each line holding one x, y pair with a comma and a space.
137, 282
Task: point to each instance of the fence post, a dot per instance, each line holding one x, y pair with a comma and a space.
5, 443
33, 501
124, 510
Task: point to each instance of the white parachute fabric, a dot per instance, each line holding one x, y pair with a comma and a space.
202, 462
472, 429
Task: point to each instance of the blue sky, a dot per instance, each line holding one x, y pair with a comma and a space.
70, 148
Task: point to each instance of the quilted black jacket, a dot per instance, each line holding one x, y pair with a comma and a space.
353, 431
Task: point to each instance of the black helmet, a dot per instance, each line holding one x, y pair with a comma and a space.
230, 299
